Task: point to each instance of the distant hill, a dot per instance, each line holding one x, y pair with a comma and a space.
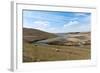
30, 35
71, 33
70, 39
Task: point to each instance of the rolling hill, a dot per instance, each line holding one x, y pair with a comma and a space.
32, 35
69, 39
43, 46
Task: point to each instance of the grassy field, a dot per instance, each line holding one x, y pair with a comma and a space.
38, 52
44, 46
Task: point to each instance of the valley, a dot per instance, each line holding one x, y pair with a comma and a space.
43, 46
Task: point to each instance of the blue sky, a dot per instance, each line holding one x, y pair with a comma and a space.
56, 21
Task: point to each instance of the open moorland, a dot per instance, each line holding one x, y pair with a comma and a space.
43, 46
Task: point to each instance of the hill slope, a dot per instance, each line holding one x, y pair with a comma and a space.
48, 47
30, 35
69, 39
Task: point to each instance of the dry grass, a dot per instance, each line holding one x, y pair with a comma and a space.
36, 52
74, 47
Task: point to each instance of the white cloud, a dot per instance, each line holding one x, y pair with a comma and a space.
71, 23
39, 24
42, 25
75, 26
80, 14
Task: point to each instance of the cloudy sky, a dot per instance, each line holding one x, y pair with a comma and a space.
57, 22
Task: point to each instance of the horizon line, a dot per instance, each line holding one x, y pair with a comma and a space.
55, 32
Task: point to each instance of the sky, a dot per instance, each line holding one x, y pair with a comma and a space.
57, 21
